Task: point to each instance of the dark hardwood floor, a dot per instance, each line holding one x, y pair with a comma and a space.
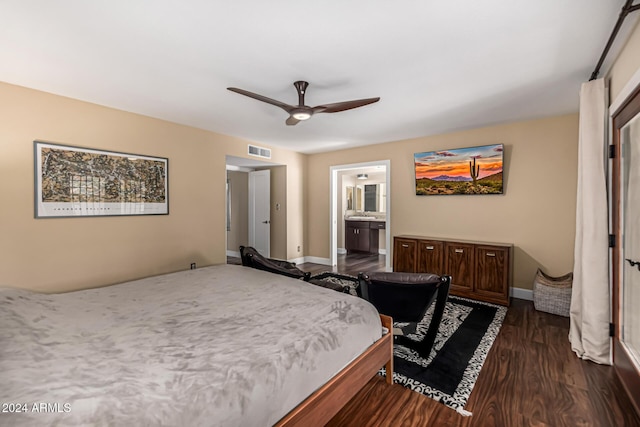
530, 378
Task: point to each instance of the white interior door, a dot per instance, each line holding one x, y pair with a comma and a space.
260, 211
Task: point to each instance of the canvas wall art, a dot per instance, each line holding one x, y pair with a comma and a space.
473, 170
73, 181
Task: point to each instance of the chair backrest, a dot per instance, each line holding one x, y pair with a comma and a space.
252, 258
403, 296
406, 297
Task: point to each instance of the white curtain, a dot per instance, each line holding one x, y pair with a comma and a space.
590, 313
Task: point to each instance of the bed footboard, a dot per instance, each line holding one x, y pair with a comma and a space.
327, 401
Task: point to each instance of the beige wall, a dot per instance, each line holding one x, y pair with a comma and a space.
278, 236
74, 253
536, 213
239, 232
296, 209
626, 64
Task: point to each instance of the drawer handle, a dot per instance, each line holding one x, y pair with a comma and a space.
459, 251
429, 248
405, 246
491, 254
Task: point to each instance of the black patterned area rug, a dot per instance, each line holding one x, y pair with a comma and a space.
465, 336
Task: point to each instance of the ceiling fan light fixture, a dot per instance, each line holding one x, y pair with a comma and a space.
301, 115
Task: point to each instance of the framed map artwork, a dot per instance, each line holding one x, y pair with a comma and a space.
73, 181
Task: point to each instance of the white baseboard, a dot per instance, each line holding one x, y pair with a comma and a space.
233, 254
522, 293
297, 260
317, 260
313, 259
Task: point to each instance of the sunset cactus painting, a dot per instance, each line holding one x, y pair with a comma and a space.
474, 170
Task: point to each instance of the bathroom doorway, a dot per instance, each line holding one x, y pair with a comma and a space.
360, 192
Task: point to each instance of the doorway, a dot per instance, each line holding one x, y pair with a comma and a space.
625, 207
238, 206
347, 196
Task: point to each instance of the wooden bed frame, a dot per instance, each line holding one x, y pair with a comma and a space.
324, 403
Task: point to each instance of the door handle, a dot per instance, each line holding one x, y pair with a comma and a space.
405, 246
634, 263
490, 254
429, 248
266, 222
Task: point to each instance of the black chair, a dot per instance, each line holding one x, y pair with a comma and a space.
252, 258
406, 297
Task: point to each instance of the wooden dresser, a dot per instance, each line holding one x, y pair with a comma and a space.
478, 270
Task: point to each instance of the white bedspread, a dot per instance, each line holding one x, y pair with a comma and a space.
223, 345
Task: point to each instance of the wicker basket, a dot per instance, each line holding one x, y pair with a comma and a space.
552, 294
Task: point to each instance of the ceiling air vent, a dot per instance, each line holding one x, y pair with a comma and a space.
265, 153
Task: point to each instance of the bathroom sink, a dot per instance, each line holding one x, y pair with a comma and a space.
365, 218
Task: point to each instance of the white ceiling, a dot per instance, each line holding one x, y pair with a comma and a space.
438, 66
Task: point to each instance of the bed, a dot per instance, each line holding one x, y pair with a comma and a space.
222, 345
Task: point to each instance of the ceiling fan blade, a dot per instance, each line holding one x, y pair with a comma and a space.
285, 107
292, 121
343, 106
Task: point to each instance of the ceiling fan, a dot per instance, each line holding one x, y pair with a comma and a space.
300, 112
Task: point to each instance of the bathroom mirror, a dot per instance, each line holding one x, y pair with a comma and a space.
368, 197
